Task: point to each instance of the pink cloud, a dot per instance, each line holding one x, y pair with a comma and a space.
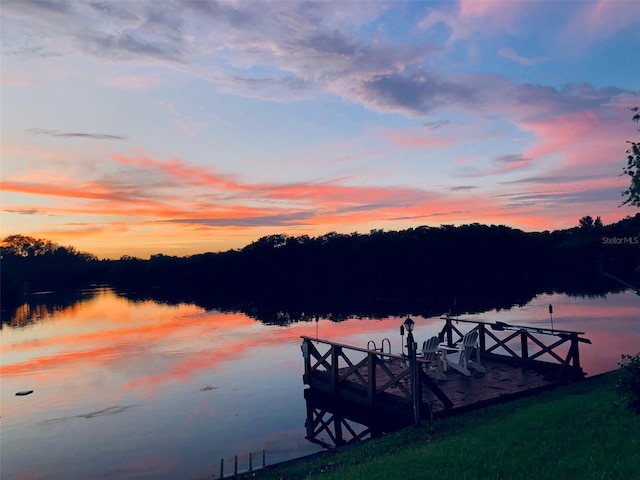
178, 170
133, 199
583, 23
170, 199
598, 20
410, 139
578, 139
470, 17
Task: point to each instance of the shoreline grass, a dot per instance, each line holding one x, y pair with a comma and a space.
574, 431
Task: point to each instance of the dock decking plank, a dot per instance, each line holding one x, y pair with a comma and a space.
500, 379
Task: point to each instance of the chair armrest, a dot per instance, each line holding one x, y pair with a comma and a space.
449, 349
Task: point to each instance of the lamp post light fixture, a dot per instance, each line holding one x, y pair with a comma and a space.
411, 346
408, 325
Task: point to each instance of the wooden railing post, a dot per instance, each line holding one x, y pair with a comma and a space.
337, 427
418, 383
307, 357
335, 354
482, 339
371, 380
308, 424
414, 378
572, 355
576, 352
524, 344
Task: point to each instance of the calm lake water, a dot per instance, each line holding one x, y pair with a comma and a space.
127, 389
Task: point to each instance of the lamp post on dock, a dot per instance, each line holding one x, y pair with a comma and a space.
413, 370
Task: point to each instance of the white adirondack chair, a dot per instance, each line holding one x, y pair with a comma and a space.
459, 356
431, 354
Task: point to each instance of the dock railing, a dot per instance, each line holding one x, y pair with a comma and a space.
384, 389
364, 375
523, 344
378, 389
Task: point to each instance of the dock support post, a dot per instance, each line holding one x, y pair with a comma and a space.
337, 426
306, 356
449, 328
335, 372
571, 364
482, 340
524, 346
413, 372
222, 468
576, 352
371, 380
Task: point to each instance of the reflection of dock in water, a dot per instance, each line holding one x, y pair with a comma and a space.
355, 393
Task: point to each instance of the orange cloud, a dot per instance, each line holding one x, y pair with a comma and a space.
171, 207
176, 169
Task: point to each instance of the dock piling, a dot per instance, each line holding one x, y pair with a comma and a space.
241, 466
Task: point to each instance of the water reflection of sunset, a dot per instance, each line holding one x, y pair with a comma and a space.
190, 339
189, 371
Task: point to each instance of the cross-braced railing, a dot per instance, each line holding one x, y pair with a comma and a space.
338, 428
523, 344
365, 375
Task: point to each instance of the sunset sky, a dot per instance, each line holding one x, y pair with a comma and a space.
142, 127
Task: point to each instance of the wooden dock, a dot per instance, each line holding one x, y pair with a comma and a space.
374, 388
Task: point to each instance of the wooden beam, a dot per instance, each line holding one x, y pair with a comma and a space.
437, 391
371, 374
335, 370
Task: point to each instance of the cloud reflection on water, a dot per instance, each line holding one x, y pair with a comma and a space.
139, 372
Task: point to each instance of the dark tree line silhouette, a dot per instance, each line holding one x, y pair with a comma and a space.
421, 270
29, 265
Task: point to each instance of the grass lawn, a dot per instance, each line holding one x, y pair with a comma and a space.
573, 432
